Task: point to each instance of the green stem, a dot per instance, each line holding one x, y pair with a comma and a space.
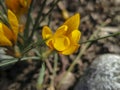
55, 68
48, 13
3, 6
40, 80
14, 60
31, 46
4, 19
111, 35
26, 31
53, 7
37, 19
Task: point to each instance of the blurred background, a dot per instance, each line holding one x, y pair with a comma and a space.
98, 18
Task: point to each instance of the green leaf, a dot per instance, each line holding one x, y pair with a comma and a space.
41, 77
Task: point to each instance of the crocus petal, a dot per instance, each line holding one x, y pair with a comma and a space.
23, 6
46, 32
61, 43
13, 23
75, 36
4, 41
12, 5
49, 43
7, 32
73, 23
19, 7
70, 50
74, 39
25, 3
61, 30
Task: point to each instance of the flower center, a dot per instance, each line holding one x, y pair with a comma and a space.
61, 43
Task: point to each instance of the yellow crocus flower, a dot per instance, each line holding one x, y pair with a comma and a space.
8, 36
65, 39
19, 7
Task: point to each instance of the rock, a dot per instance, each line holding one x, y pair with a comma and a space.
103, 74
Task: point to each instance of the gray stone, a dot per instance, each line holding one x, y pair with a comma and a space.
103, 74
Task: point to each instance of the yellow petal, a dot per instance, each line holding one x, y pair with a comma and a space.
49, 43
73, 23
4, 41
75, 36
74, 39
7, 32
19, 7
46, 32
61, 43
61, 30
13, 23
12, 5
70, 50
25, 3
23, 6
